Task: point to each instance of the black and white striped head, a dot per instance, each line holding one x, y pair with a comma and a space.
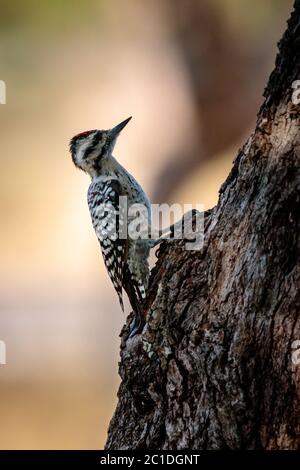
89, 148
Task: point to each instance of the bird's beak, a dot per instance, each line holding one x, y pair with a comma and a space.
115, 131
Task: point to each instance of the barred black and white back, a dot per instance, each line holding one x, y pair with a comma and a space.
126, 260
103, 201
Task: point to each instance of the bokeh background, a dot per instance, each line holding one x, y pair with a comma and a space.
191, 73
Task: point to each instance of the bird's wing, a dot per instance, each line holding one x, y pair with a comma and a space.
108, 218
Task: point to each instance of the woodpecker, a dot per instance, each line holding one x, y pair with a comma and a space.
126, 259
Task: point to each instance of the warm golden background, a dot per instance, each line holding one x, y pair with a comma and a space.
191, 72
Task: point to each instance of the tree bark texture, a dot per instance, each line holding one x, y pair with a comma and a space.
213, 366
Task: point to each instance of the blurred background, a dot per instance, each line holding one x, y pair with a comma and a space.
191, 73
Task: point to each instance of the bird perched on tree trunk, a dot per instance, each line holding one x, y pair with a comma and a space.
126, 259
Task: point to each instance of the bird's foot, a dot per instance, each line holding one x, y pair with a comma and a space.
153, 243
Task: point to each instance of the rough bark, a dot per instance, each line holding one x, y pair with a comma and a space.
213, 367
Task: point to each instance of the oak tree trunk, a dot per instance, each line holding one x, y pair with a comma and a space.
213, 367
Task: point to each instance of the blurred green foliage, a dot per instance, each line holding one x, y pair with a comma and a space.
57, 15
251, 17
45, 14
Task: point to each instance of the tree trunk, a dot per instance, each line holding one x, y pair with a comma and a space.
213, 367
